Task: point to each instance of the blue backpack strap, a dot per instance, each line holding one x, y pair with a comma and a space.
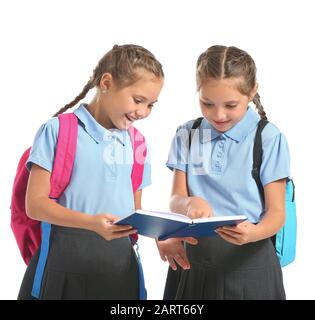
142, 289
195, 126
257, 158
44, 248
257, 161
63, 150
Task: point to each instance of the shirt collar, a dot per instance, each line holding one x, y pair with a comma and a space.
94, 129
238, 132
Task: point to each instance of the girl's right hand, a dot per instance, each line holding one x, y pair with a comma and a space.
103, 225
198, 208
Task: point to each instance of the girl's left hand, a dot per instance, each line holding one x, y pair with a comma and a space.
173, 251
242, 233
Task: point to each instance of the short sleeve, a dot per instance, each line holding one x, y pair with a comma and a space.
276, 159
178, 154
146, 178
44, 146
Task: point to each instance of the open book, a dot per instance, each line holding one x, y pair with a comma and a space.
163, 225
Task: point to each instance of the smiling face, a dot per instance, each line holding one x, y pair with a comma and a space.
120, 107
221, 102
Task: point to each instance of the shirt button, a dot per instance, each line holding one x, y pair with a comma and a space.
108, 137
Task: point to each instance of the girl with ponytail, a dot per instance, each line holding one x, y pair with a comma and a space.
240, 262
89, 257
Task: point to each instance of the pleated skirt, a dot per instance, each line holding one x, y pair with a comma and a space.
223, 271
81, 265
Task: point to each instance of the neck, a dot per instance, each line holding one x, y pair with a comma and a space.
96, 109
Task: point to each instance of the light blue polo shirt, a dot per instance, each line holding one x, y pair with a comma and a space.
101, 178
219, 165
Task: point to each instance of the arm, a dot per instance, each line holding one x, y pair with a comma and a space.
170, 247
269, 225
274, 218
166, 248
179, 197
173, 250
40, 207
137, 197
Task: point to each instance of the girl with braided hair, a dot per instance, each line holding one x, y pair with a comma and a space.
213, 176
89, 257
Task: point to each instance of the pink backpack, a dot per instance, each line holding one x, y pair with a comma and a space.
27, 231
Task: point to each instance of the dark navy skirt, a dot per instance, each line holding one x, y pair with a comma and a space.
83, 265
223, 271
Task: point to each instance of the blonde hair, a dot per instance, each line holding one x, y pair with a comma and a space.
221, 62
122, 62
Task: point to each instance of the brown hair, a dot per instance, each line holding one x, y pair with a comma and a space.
122, 63
220, 62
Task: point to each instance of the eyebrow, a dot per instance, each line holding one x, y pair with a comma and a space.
144, 98
226, 102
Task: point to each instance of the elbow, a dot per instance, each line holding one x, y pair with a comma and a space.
281, 219
31, 208
173, 203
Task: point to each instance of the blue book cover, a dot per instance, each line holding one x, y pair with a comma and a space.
164, 225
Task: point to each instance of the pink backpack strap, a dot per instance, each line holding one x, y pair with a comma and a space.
139, 155
65, 154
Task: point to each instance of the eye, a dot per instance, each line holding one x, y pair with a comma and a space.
208, 104
231, 106
137, 101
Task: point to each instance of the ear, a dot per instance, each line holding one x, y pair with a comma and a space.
253, 92
106, 81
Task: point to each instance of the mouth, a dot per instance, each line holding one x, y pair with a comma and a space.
129, 118
129, 121
221, 123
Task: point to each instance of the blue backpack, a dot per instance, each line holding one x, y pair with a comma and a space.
285, 239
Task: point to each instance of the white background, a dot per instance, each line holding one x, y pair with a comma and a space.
50, 48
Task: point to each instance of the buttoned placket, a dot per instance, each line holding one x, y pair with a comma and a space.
110, 141
218, 155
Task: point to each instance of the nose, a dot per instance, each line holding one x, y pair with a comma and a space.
142, 112
219, 114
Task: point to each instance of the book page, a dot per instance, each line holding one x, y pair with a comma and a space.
219, 218
166, 215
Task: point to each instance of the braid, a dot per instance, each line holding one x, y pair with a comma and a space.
79, 97
259, 107
122, 63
